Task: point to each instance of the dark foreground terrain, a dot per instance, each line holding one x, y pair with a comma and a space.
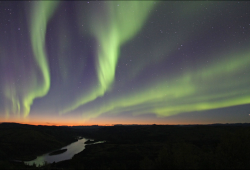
131, 147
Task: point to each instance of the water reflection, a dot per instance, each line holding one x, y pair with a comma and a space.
72, 149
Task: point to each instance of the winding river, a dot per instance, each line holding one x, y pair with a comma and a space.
72, 149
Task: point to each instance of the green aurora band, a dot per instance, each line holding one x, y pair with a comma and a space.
118, 27
187, 92
41, 13
22, 97
198, 87
193, 90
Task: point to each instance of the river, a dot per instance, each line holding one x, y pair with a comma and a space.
72, 149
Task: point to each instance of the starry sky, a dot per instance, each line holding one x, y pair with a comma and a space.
114, 62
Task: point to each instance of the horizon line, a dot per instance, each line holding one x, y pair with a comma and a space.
119, 124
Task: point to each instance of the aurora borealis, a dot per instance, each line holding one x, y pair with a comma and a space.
128, 62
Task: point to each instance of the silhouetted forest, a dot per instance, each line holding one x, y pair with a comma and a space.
132, 147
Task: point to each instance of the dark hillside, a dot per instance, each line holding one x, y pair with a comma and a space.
25, 142
166, 147
133, 147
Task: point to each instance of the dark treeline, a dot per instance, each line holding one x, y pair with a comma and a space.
25, 142
153, 147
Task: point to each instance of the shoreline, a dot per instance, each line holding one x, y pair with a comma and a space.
57, 152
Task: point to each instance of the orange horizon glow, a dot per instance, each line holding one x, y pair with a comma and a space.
99, 124
68, 120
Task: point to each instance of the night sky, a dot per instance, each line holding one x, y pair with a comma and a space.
114, 62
